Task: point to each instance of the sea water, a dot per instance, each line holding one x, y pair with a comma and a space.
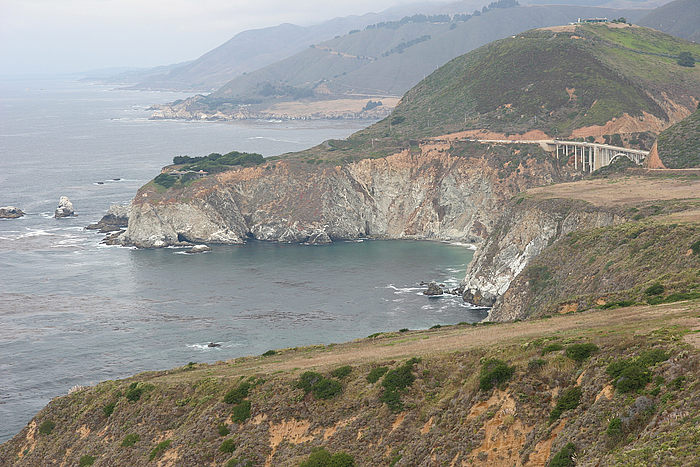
74, 312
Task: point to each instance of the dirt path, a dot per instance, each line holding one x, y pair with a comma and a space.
454, 339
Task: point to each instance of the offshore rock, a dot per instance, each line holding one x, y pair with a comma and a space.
434, 290
198, 249
10, 212
64, 209
430, 195
116, 219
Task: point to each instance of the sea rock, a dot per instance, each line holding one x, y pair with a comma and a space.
434, 290
10, 212
213, 344
198, 249
64, 209
116, 219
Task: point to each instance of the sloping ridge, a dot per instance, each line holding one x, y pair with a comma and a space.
680, 18
679, 146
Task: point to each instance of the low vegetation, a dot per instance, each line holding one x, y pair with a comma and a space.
568, 400
318, 385
494, 373
395, 383
320, 457
159, 449
679, 145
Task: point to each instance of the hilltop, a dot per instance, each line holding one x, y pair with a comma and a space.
381, 61
583, 81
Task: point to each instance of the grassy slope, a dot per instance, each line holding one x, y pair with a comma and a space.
445, 415
680, 18
519, 84
679, 145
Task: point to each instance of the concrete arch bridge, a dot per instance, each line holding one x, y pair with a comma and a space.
588, 157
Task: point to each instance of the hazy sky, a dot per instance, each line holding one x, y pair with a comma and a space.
76, 35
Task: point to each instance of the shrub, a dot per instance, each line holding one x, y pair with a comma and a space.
159, 449
130, 439
677, 383
327, 389
319, 457
227, 446
241, 412
686, 59
165, 180
320, 386
614, 429
269, 353
108, 409
237, 394
341, 372
553, 347
632, 378
222, 430
47, 427
376, 373
655, 289
494, 372
239, 463
580, 352
404, 330
86, 460
395, 382
133, 392
568, 400
652, 357
617, 304
565, 456
695, 247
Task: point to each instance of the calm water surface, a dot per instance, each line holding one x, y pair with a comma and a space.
75, 312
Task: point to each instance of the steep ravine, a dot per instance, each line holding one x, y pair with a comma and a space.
426, 193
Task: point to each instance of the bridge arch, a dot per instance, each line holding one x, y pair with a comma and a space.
622, 154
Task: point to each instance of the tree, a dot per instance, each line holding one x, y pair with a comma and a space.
686, 59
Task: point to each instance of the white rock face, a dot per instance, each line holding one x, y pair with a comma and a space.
199, 249
64, 209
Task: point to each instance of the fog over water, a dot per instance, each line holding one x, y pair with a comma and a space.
74, 312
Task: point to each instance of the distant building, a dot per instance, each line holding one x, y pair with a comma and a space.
592, 20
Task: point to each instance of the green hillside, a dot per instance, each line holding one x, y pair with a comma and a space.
680, 18
679, 146
555, 81
391, 57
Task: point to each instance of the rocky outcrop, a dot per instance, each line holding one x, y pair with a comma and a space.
524, 230
10, 212
433, 290
198, 249
64, 209
429, 195
116, 219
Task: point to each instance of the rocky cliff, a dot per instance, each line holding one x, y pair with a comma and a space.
432, 192
526, 229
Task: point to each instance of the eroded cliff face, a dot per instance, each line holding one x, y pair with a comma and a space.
525, 229
422, 194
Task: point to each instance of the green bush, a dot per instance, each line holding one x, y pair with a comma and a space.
565, 456
614, 429
632, 378
617, 304
237, 394
652, 357
222, 430
568, 400
241, 412
695, 247
319, 457
108, 409
327, 389
395, 382
133, 392
376, 373
86, 460
494, 372
319, 385
655, 289
269, 353
130, 439
341, 372
536, 364
165, 180
159, 449
47, 427
677, 383
553, 347
580, 352
228, 446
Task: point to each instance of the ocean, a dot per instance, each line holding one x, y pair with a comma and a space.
75, 312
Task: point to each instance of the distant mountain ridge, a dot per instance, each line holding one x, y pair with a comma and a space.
680, 18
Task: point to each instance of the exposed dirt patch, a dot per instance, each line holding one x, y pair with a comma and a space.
532, 135
568, 308
83, 431
624, 124
608, 392
169, 458
341, 424
543, 449
293, 431
653, 161
399, 420
426, 428
30, 440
